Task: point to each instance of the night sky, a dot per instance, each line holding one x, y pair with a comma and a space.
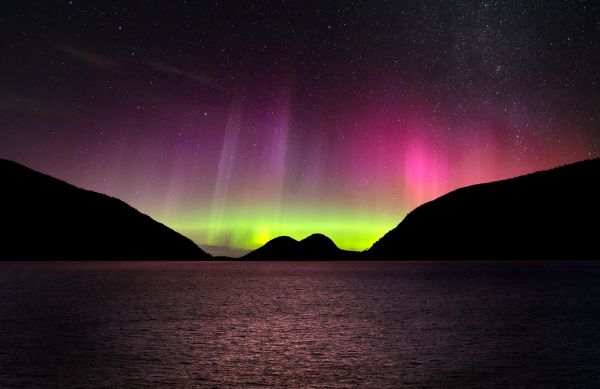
236, 122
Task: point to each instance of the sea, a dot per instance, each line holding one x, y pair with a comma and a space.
300, 324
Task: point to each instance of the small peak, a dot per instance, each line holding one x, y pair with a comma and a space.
319, 241
317, 238
282, 239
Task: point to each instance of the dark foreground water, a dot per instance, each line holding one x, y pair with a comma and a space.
300, 324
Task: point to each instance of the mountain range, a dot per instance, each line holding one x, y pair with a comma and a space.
46, 218
551, 214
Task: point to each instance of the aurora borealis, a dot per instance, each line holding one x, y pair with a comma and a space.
236, 123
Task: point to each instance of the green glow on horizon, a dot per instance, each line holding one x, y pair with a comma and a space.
249, 229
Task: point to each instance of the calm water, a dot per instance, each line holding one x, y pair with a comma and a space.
300, 324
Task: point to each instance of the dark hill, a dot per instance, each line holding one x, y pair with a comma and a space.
314, 247
45, 218
552, 214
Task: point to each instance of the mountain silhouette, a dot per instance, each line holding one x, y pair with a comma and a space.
552, 214
46, 218
314, 247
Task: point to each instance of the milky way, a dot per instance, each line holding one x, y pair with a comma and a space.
236, 123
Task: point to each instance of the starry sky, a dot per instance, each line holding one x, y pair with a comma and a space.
236, 122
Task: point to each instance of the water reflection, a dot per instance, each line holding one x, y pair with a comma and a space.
299, 324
